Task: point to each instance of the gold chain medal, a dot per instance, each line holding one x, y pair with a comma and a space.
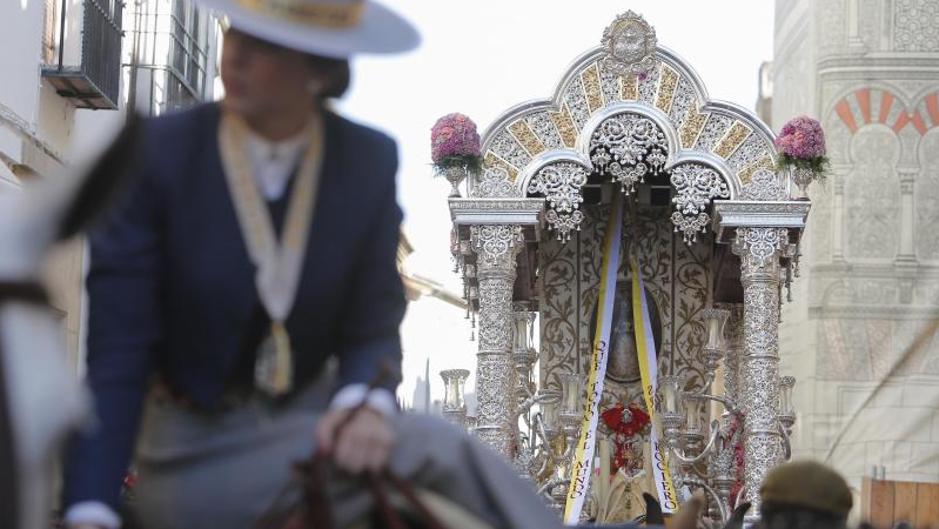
279, 264
273, 368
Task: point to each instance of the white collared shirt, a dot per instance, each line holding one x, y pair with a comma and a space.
274, 162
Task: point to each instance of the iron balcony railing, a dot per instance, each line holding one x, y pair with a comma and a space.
96, 82
101, 45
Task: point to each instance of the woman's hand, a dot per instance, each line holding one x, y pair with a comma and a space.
364, 444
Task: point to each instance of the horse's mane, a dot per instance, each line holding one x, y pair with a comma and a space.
102, 182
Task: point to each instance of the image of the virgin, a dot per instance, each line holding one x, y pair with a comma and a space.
622, 363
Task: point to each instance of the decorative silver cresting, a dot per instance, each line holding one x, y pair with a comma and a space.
630, 44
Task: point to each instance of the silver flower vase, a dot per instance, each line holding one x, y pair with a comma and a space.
455, 174
802, 177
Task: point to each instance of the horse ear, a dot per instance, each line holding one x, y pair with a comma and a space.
653, 510
102, 181
736, 519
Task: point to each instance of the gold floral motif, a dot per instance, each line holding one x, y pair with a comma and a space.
668, 83
692, 127
629, 87
527, 138
746, 174
591, 81
493, 160
731, 140
565, 124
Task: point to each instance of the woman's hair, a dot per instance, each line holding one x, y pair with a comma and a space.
336, 74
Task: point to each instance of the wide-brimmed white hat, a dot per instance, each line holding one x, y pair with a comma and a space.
329, 28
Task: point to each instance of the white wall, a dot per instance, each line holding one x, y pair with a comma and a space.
21, 27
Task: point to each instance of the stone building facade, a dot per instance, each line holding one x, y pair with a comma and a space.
861, 335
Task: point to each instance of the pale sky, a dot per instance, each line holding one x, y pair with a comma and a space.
481, 57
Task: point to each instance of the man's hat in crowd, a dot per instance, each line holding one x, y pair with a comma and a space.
329, 28
807, 484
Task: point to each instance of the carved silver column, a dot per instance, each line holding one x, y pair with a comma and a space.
496, 248
760, 250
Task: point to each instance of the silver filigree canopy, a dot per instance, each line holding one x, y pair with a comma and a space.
561, 184
630, 44
628, 147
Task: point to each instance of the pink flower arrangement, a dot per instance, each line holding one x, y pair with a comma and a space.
801, 144
455, 142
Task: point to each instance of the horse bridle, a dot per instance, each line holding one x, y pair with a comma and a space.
24, 291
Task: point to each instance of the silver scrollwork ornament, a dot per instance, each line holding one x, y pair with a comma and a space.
764, 185
496, 245
695, 186
496, 183
561, 184
760, 244
628, 148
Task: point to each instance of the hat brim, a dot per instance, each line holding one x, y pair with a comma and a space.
380, 31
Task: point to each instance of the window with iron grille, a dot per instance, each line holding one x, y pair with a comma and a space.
171, 38
95, 82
